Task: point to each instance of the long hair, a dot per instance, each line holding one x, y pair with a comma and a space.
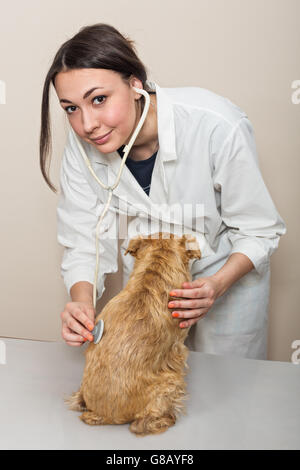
98, 46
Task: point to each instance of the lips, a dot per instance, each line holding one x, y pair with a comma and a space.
101, 137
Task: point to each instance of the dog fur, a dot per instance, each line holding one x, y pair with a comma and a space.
135, 374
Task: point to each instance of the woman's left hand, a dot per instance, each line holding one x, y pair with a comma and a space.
202, 293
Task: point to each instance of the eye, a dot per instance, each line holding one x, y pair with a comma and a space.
69, 107
96, 98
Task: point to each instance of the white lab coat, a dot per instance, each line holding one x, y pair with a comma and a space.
207, 156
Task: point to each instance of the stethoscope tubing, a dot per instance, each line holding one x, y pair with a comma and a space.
110, 189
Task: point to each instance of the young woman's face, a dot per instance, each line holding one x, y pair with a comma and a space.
111, 106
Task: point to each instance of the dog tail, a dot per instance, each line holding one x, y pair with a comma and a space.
76, 402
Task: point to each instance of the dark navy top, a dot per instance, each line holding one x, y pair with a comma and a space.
141, 170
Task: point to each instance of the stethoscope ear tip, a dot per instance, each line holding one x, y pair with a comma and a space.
140, 90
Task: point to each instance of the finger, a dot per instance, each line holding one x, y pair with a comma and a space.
76, 326
90, 312
73, 343
190, 313
195, 293
72, 327
190, 322
195, 303
193, 284
69, 335
83, 318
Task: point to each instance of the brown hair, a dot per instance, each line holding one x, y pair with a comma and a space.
98, 46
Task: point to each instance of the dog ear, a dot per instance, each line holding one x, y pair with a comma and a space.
134, 245
191, 246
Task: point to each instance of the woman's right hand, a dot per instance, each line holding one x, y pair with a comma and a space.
78, 320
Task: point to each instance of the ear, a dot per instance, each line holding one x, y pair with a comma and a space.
191, 246
134, 245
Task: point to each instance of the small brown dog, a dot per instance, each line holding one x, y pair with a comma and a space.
135, 374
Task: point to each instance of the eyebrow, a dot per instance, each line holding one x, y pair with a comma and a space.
87, 93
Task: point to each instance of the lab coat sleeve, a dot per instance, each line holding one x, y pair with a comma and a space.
247, 209
78, 211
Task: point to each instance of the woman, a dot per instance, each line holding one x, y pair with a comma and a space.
195, 147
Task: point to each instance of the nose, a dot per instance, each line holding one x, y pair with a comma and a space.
90, 122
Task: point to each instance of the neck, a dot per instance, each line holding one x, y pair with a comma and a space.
147, 272
146, 143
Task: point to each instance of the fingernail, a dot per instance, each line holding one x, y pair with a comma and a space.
173, 293
175, 314
90, 337
182, 325
171, 304
90, 326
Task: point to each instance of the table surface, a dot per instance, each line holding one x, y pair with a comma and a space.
233, 403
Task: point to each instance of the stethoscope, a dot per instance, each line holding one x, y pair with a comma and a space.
99, 327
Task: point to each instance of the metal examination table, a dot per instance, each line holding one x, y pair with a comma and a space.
234, 403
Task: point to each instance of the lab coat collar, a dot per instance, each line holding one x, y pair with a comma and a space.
165, 124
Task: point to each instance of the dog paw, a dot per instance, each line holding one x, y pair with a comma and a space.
152, 425
89, 417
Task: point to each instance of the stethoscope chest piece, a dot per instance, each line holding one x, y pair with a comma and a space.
97, 332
